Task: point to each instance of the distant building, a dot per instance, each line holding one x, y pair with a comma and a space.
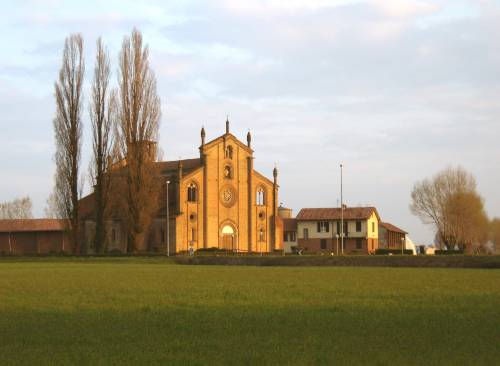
33, 236
289, 228
319, 229
289, 234
390, 236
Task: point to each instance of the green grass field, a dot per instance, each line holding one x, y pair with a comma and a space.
149, 311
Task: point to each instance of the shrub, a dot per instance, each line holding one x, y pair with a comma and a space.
115, 252
207, 250
295, 249
392, 251
448, 252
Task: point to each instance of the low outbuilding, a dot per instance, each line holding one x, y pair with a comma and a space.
33, 236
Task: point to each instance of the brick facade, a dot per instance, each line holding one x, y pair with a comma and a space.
391, 237
33, 236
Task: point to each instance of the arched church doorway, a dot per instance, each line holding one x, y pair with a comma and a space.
228, 237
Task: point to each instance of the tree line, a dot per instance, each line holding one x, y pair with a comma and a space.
450, 202
19, 208
124, 119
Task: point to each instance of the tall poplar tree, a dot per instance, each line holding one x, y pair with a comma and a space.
102, 111
68, 132
137, 133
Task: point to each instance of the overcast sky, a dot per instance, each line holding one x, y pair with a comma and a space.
396, 90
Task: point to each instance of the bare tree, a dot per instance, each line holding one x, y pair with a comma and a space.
19, 208
137, 133
68, 132
54, 209
495, 234
467, 220
450, 202
102, 110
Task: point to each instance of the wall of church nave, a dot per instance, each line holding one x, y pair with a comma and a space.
157, 235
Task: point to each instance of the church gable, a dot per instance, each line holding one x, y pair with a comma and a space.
230, 140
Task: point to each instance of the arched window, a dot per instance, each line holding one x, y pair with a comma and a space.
262, 234
192, 193
228, 172
229, 152
227, 230
260, 198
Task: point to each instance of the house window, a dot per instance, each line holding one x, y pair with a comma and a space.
322, 243
359, 243
113, 235
358, 226
339, 228
373, 227
306, 233
323, 227
229, 152
192, 193
260, 197
193, 234
262, 235
289, 236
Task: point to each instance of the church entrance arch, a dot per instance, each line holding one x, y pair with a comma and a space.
228, 237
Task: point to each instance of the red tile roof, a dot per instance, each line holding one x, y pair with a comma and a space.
171, 166
350, 213
18, 225
289, 224
391, 227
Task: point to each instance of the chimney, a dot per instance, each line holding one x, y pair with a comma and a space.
179, 170
142, 150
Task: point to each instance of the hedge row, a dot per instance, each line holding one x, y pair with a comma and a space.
393, 251
456, 261
448, 252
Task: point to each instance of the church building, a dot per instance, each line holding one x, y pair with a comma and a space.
217, 200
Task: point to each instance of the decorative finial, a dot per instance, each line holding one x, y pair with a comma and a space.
227, 124
275, 171
202, 135
249, 138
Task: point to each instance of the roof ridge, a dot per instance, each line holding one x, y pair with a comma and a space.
175, 161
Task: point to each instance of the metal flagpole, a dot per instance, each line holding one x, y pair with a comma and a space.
341, 212
168, 225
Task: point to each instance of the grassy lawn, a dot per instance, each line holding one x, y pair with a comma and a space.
149, 311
